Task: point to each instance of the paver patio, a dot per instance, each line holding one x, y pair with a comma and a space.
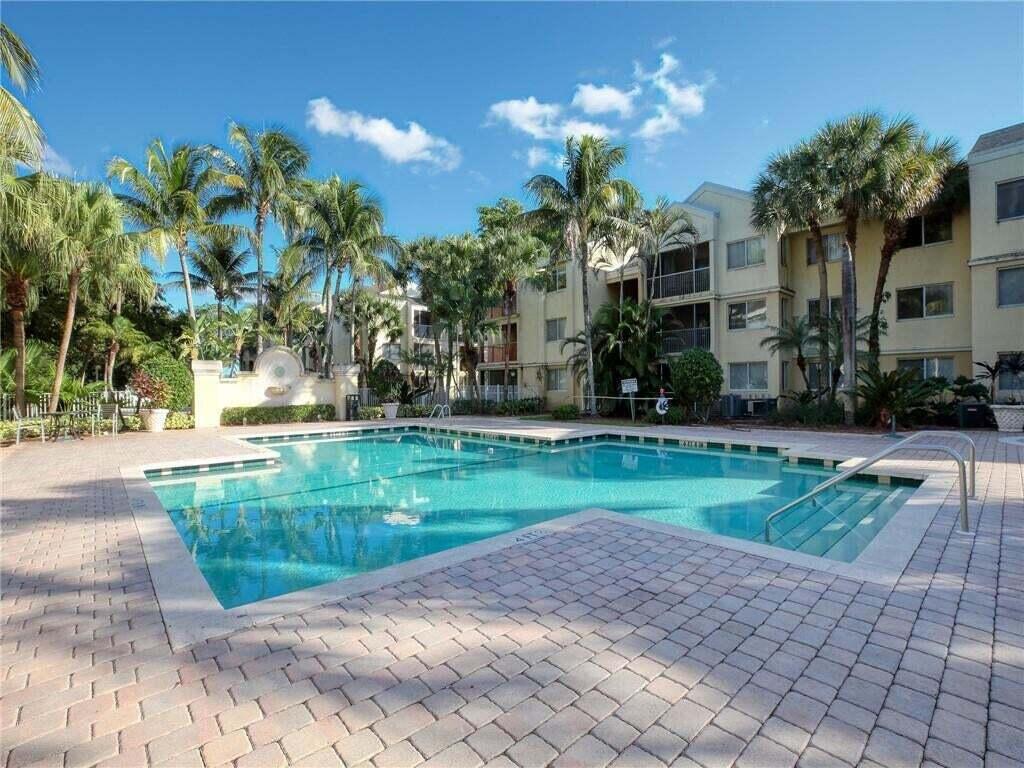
604, 644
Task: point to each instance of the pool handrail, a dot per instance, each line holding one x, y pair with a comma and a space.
440, 411
901, 445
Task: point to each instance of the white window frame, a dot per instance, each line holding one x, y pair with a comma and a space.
747, 365
562, 374
929, 365
746, 253
924, 302
559, 336
924, 243
746, 313
1016, 180
560, 269
836, 237
998, 277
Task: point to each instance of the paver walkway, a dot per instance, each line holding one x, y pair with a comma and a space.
603, 644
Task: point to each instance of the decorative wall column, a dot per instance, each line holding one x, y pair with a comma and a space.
346, 382
206, 404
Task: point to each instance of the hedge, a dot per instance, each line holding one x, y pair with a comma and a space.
279, 414
566, 412
177, 376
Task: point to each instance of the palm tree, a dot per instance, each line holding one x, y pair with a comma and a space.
796, 336
664, 227
269, 166
119, 334
342, 227
370, 318
907, 187
168, 199
791, 194
290, 290
20, 135
91, 238
622, 238
240, 326
425, 262
856, 151
579, 209
218, 266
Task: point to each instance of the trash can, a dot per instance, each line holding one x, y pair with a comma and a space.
351, 407
973, 415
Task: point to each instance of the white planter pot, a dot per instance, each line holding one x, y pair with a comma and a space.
1009, 418
153, 419
390, 410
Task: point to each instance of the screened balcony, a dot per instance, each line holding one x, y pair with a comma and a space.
682, 272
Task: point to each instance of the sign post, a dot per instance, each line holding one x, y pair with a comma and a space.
630, 387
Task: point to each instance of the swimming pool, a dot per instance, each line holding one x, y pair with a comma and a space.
333, 508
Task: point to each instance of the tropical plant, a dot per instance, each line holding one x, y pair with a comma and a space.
266, 173
664, 227
20, 135
386, 381
176, 376
906, 187
38, 371
856, 151
425, 261
217, 265
697, 381
201, 339
290, 293
579, 209
239, 327
621, 239
897, 394
792, 193
151, 390
117, 334
371, 317
796, 336
167, 199
1012, 364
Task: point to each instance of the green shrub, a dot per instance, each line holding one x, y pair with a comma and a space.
697, 381
808, 413
525, 407
179, 420
278, 414
413, 411
371, 412
899, 393
471, 407
386, 381
675, 415
176, 375
567, 412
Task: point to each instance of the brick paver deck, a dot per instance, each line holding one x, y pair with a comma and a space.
604, 644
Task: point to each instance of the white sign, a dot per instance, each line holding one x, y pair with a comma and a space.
629, 386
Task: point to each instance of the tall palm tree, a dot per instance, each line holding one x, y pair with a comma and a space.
664, 227
795, 336
579, 209
217, 265
167, 199
622, 239
239, 326
792, 193
370, 318
907, 187
425, 262
269, 165
290, 290
856, 151
342, 227
91, 238
118, 334
20, 135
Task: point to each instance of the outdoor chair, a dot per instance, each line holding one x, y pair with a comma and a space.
110, 411
22, 423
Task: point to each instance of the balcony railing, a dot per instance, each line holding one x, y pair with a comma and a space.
422, 331
498, 353
681, 283
499, 310
674, 342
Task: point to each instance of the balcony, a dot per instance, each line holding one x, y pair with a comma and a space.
499, 353
684, 283
498, 311
422, 330
675, 342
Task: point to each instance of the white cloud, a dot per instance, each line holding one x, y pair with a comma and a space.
411, 145
538, 156
544, 121
600, 99
581, 127
663, 123
54, 163
682, 99
665, 42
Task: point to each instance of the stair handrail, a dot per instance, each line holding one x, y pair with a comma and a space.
440, 409
901, 445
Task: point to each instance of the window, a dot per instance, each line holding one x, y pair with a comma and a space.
1007, 379
392, 352
559, 278
556, 379
745, 253
748, 375
748, 314
835, 308
785, 375
928, 229
929, 367
1011, 287
554, 329
814, 376
783, 310
784, 251
924, 301
833, 248
1010, 199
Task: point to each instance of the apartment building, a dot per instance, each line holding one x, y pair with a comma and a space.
956, 287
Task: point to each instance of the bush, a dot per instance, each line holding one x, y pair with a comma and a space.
279, 414
153, 391
697, 381
179, 420
567, 412
525, 407
808, 413
675, 415
473, 407
900, 394
176, 375
386, 381
371, 412
409, 411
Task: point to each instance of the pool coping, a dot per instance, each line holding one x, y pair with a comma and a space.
193, 614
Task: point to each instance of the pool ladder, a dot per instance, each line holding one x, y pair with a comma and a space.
440, 411
965, 490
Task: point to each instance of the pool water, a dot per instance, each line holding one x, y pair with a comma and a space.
336, 508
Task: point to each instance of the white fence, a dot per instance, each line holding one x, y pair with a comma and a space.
89, 403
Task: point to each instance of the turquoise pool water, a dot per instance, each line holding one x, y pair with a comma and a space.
335, 508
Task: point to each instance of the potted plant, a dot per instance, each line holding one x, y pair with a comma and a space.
1009, 414
155, 394
386, 381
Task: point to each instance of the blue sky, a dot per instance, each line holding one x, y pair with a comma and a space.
441, 107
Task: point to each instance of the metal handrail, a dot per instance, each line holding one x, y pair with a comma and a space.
848, 473
440, 409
